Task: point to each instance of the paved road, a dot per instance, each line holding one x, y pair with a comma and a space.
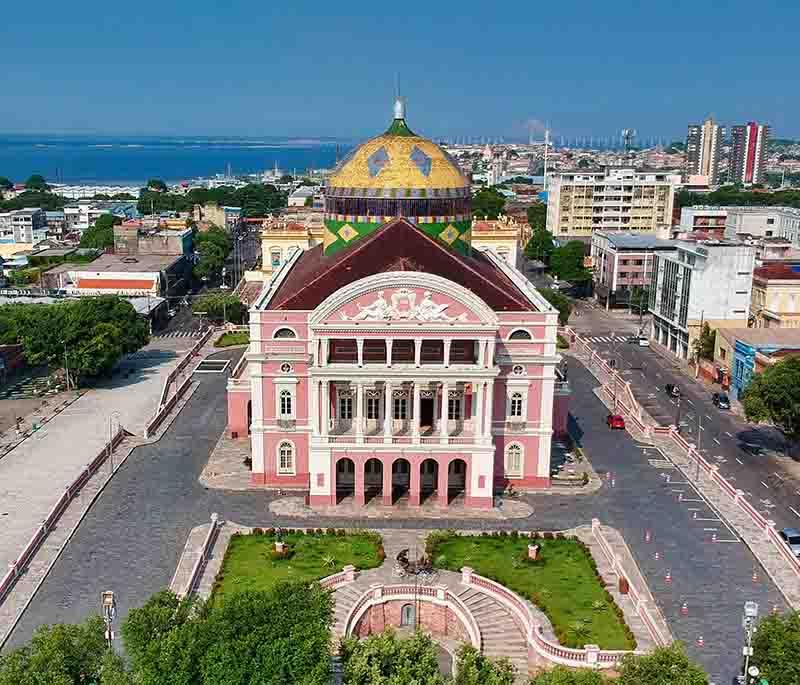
132, 538
722, 436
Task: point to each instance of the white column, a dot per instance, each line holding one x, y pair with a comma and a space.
477, 408
389, 352
481, 348
314, 407
324, 390
387, 409
490, 354
487, 414
359, 416
443, 420
360, 346
325, 348
446, 353
415, 416
417, 352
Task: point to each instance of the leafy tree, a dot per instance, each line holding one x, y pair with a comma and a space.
34, 198
488, 204
221, 306
540, 246
560, 301
473, 668
566, 676
5, 184
36, 182
776, 649
662, 666
267, 638
211, 260
286, 178
567, 263
59, 655
101, 235
386, 660
157, 185
704, 343
774, 395
537, 215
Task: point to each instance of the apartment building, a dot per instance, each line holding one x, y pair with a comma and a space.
704, 150
21, 229
748, 153
612, 199
763, 222
84, 214
623, 262
704, 218
708, 282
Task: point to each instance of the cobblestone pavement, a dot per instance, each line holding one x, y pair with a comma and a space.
132, 538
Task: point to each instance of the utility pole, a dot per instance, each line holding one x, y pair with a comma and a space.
678, 416
697, 449
66, 364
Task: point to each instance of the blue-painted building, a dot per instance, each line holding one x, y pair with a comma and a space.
754, 349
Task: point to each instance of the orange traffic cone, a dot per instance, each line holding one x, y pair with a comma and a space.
700, 641
668, 577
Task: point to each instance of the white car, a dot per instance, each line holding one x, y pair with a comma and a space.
644, 342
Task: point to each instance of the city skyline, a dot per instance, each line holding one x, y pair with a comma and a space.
303, 74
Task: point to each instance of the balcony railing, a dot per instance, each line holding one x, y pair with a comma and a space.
345, 430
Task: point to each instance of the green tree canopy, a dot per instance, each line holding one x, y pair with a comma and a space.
260, 638
34, 198
774, 395
59, 655
662, 666
560, 301
488, 203
93, 332
566, 262
387, 660
101, 235
213, 247
286, 178
5, 184
537, 215
255, 199
219, 306
157, 185
540, 246
473, 668
36, 182
776, 648
704, 343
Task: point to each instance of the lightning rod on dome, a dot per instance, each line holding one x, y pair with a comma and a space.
399, 105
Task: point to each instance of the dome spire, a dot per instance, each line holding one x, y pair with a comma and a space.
399, 108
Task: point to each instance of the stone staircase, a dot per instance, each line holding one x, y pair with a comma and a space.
500, 634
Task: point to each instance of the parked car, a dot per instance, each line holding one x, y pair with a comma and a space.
644, 342
751, 448
672, 390
720, 399
615, 421
791, 536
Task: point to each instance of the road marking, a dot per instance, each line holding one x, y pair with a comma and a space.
742, 463
794, 511
709, 529
765, 485
717, 441
689, 401
728, 434
709, 418
702, 428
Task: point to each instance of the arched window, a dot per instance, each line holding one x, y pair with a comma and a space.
516, 405
286, 403
286, 458
284, 333
407, 615
514, 461
520, 334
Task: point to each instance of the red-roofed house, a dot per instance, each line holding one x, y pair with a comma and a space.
775, 300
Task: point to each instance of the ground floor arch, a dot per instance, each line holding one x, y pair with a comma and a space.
345, 483
428, 479
373, 479
401, 478
456, 479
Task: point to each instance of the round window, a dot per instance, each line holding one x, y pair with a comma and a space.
286, 368
518, 370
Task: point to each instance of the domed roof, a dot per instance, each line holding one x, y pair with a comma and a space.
398, 159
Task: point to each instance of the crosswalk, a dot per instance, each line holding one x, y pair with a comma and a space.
179, 334
604, 339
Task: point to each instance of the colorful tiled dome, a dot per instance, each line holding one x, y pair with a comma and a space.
398, 174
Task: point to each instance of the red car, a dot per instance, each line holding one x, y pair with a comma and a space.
615, 421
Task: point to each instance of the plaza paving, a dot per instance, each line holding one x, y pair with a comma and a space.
133, 537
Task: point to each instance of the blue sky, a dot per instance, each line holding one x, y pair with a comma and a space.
327, 69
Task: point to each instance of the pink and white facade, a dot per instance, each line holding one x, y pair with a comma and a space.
399, 383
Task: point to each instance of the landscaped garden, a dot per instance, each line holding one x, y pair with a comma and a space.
563, 582
232, 338
252, 563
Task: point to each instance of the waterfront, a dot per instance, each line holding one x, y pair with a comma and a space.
104, 160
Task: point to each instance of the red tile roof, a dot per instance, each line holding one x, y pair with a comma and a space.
782, 272
114, 284
396, 246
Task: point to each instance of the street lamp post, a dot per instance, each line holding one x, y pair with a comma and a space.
114, 415
66, 364
749, 625
678, 416
108, 604
697, 449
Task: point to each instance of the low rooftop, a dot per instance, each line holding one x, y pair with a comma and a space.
778, 338
636, 241
778, 272
109, 263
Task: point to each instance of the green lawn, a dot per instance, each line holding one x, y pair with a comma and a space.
250, 564
233, 338
563, 583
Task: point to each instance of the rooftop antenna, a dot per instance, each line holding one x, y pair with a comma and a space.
399, 105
